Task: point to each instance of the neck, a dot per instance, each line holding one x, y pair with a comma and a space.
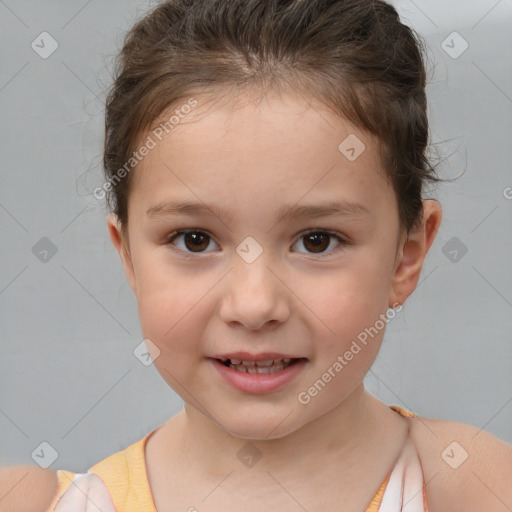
346, 433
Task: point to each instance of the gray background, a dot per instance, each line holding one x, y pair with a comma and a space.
69, 325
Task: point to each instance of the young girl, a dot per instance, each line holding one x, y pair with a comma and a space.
265, 162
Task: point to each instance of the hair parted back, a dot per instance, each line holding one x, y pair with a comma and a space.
355, 56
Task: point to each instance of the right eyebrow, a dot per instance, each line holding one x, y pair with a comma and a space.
340, 209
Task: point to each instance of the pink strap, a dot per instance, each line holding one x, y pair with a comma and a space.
404, 491
87, 493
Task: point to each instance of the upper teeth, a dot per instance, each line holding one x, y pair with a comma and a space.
270, 362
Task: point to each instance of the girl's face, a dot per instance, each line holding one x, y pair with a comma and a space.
251, 279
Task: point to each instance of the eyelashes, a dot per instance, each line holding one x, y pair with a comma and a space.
319, 237
199, 239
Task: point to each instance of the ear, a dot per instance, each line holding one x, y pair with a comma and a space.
412, 255
121, 246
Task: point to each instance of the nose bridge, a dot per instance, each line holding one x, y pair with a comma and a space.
256, 276
254, 293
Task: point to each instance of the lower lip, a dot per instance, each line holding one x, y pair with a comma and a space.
258, 383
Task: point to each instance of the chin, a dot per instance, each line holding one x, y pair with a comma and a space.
252, 434
259, 429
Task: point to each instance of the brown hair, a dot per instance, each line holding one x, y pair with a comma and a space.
353, 55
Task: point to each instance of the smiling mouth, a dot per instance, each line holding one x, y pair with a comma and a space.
259, 367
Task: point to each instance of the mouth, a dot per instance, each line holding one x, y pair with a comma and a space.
259, 367
258, 373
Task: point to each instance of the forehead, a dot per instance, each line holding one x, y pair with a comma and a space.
276, 147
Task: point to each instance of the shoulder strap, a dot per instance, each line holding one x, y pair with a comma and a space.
64, 479
125, 476
86, 493
119, 482
404, 489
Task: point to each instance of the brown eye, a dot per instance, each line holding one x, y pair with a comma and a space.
193, 240
316, 242
196, 241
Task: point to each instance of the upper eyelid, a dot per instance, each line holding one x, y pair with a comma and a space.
299, 234
342, 239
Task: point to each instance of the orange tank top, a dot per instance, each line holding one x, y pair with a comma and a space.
119, 483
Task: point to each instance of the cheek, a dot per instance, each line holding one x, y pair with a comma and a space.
349, 306
170, 320
167, 306
349, 300
348, 340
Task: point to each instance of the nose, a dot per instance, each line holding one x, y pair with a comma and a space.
255, 296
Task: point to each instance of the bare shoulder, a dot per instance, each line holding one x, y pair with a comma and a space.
466, 469
26, 488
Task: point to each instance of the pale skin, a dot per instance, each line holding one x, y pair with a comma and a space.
251, 158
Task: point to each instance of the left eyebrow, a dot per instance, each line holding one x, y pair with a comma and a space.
341, 209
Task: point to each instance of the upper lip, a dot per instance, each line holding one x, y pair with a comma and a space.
262, 356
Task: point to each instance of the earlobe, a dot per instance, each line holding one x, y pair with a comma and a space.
413, 253
121, 246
